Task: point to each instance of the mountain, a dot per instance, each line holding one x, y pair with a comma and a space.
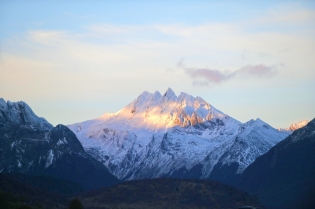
284, 176
168, 193
175, 136
30, 145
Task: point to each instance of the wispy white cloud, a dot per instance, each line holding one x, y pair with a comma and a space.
108, 29
281, 16
46, 37
69, 47
70, 14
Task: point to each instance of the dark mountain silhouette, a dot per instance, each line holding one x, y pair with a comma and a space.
284, 177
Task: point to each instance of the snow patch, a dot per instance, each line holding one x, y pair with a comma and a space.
62, 141
19, 164
49, 158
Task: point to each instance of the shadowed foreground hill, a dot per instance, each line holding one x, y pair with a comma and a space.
47, 183
168, 193
14, 194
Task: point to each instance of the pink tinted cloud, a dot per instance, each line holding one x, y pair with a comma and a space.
205, 76
255, 71
213, 76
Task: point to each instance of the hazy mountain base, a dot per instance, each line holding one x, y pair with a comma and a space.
167, 193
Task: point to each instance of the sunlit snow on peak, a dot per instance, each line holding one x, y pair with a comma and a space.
152, 111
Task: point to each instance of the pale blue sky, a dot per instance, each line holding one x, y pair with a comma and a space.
75, 60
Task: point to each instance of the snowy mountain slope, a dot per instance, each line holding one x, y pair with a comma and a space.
167, 135
255, 138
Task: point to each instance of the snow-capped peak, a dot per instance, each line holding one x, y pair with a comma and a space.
298, 125
295, 126
152, 111
157, 94
20, 113
170, 94
247, 127
257, 122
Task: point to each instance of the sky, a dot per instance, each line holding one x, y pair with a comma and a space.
72, 61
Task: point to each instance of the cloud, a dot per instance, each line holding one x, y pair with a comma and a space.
110, 29
258, 71
205, 76
290, 16
70, 14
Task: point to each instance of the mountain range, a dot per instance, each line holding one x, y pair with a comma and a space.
175, 136
157, 136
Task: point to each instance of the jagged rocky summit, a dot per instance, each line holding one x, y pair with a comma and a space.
31, 145
175, 136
